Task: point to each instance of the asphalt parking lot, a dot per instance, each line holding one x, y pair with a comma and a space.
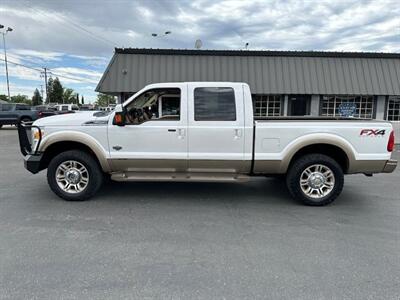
196, 240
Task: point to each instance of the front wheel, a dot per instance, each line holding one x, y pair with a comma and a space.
74, 175
315, 179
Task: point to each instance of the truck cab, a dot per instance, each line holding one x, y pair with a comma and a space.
185, 127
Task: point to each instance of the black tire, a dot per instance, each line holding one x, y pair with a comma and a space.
1, 126
300, 165
94, 171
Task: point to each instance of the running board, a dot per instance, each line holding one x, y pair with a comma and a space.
179, 177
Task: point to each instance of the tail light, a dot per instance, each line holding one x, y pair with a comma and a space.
40, 114
390, 145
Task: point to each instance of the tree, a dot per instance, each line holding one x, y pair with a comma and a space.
68, 96
37, 98
104, 100
82, 100
54, 90
3, 97
49, 90
58, 91
21, 99
77, 98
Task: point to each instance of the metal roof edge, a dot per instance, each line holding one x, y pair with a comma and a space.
151, 51
97, 89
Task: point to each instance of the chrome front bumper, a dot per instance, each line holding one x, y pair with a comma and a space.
390, 166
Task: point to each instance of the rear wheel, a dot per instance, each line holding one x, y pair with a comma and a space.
315, 179
74, 175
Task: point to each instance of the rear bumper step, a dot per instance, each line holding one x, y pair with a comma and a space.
178, 177
390, 166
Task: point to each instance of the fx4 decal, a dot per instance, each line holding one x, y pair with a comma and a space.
372, 132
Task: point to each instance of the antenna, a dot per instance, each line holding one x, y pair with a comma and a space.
198, 44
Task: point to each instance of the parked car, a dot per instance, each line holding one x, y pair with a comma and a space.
12, 113
204, 131
66, 107
45, 110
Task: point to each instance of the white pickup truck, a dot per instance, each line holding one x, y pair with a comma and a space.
203, 131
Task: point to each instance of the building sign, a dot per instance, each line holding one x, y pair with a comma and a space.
347, 109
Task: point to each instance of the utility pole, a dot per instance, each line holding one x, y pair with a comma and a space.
9, 29
41, 91
45, 83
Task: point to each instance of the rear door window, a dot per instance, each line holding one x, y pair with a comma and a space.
214, 104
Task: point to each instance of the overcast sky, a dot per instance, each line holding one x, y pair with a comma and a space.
76, 38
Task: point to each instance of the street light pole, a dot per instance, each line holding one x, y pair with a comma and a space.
9, 29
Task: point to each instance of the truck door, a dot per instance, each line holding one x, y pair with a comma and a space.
154, 138
216, 127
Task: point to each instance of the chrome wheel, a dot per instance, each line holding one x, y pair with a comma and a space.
317, 181
72, 176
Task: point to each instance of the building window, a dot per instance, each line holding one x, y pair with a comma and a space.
348, 106
267, 105
393, 112
299, 105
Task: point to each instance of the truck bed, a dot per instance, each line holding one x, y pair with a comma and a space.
309, 118
277, 140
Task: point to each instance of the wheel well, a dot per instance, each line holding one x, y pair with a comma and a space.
56, 148
25, 117
332, 151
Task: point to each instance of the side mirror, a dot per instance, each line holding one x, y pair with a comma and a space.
119, 119
119, 116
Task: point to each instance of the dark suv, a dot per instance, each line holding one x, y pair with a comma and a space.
12, 113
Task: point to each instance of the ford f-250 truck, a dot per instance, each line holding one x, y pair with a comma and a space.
203, 131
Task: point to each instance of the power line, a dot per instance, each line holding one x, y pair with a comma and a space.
46, 70
18, 64
67, 77
71, 23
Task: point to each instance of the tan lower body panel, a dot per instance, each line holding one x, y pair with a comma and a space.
149, 165
180, 166
178, 170
366, 166
268, 167
219, 166
356, 166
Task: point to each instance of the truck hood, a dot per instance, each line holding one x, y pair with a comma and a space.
74, 119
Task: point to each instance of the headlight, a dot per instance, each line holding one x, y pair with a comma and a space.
36, 134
